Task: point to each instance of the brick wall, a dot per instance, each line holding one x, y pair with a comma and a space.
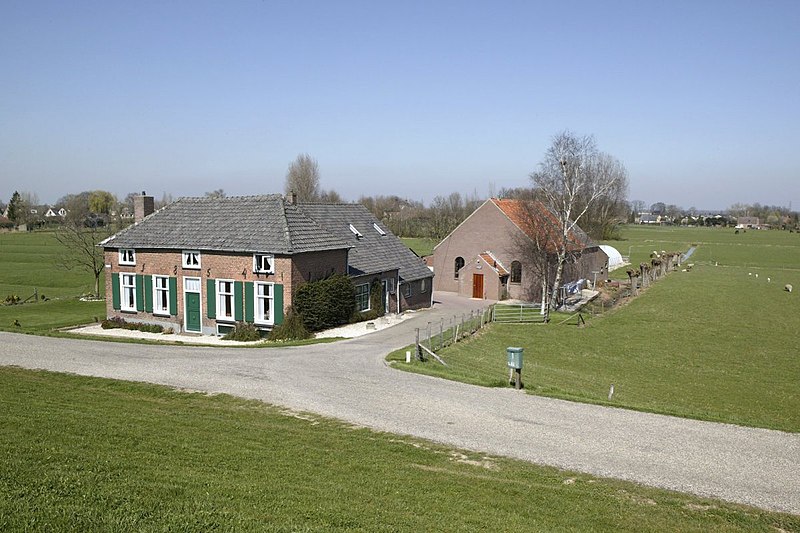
289, 272
487, 229
419, 296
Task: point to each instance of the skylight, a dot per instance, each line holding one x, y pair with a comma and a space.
355, 232
378, 229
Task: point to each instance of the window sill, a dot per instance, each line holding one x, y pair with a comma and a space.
226, 320
161, 313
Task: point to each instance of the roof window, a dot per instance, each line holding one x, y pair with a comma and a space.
355, 232
378, 229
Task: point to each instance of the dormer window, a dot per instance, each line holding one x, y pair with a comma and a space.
264, 263
355, 232
191, 259
127, 257
378, 229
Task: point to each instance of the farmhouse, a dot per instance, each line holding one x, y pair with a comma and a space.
491, 254
200, 265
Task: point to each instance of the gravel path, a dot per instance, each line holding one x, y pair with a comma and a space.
350, 381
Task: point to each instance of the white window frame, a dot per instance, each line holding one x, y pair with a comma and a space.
157, 292
258, 263
422, 288
127, 256
259, 318
127, 292
408, 290
191, 259
360, 295
221, 296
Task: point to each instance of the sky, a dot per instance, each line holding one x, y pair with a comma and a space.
699, 99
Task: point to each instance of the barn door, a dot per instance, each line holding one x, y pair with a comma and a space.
477, 286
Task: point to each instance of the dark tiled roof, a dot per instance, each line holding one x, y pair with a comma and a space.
372, 252
232, 224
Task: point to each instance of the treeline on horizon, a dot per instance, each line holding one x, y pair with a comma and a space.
412, 218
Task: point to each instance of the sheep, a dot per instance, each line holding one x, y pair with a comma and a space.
787, 288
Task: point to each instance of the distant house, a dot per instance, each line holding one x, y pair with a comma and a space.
199, 265
55, 212
648, 218
748, 222
486, 257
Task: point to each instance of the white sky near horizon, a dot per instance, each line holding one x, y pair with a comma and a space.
698, 99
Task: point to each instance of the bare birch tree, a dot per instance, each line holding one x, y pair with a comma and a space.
571, 178
80, 248
302, 178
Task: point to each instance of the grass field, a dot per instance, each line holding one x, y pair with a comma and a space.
420, 246
89, 454
28, 262
715, 343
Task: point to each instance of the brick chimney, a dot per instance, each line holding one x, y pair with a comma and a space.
291, 199
143, 205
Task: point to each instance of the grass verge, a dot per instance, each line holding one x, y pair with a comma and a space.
89, 454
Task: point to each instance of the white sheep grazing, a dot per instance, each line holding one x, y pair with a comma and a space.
787, 288
756, 275
769, 280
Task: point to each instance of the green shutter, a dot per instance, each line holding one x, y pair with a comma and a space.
211, 298
115, 291
148, 294
238, 301
248, 301
139, 292
173, 296
278, 302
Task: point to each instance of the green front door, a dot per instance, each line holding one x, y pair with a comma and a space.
193, 312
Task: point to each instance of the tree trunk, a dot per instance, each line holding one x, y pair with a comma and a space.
97, 285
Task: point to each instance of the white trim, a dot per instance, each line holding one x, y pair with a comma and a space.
123, 300
159, 312
125, 261
218, 299
271, 320
257, 268
185, 255
198, 291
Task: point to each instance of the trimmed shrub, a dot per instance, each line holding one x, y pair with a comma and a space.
243, 332
118, 322
326, 303
292, 328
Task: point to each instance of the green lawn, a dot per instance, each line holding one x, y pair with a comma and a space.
715, 343
89, 454
420, 246
28, 262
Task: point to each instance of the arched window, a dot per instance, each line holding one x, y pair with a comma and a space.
459, 265
516, 272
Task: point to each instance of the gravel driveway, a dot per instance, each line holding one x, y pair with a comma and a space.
349, 380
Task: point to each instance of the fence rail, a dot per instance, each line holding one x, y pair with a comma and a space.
517, 313
438, 335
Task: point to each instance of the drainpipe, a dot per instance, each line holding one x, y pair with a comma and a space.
397, 293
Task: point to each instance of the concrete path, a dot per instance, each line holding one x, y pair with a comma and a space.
350, 381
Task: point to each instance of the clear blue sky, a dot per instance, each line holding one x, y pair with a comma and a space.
699, 99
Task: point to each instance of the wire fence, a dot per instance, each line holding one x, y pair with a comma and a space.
438, 335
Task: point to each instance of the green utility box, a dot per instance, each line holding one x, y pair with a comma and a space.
514, 357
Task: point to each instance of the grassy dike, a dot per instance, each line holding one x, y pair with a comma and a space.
716, 343
89, 454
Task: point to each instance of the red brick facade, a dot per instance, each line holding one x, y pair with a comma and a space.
489, 229
289, 272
